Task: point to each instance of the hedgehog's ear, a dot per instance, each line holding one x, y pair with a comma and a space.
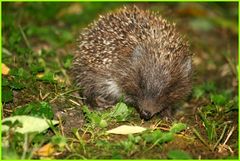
137, 53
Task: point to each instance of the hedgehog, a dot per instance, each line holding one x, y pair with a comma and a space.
133, 55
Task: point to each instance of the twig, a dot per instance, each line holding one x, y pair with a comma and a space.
229, 134
8, 110
78, 97
223, 132
74, 102
6, 51
156, 125
80, 141
25, 37
164, 128
60, 124
62, 94
43, 97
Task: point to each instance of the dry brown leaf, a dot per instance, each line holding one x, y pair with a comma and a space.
126, 129
5, 69
46, 150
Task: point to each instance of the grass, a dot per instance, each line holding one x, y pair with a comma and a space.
37, 47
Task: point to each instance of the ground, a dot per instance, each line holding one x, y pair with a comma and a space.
38, 41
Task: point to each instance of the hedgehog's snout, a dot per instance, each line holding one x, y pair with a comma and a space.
147, 109
146, 115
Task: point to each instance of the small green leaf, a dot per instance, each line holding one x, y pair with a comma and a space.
158, 137
40, 109
94, 118
198, 92
59, 140
5, 82
16, 85
120, 112
68, 61
218, 99
209, 87
20, 73
135, 139
38, 138
23, 73
36, 68
48, 77
7, 95
178, 127
153, 136
102, 143
14, 38
166, 137
86, 110
103, 123
178, 154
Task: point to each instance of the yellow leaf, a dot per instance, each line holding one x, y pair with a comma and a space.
46, 150
40, 75
5, 69
74, 8
126, 129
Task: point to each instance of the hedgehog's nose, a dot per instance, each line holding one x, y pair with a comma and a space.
146, 115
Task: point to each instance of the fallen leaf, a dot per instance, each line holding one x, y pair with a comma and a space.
74, 8
29, 124
46, 150
40, 75
5, 69
126, 129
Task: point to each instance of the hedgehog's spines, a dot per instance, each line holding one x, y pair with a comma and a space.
134, 53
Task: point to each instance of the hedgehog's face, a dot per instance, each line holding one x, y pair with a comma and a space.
151, 102
153, 81
161, 85
151, 98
